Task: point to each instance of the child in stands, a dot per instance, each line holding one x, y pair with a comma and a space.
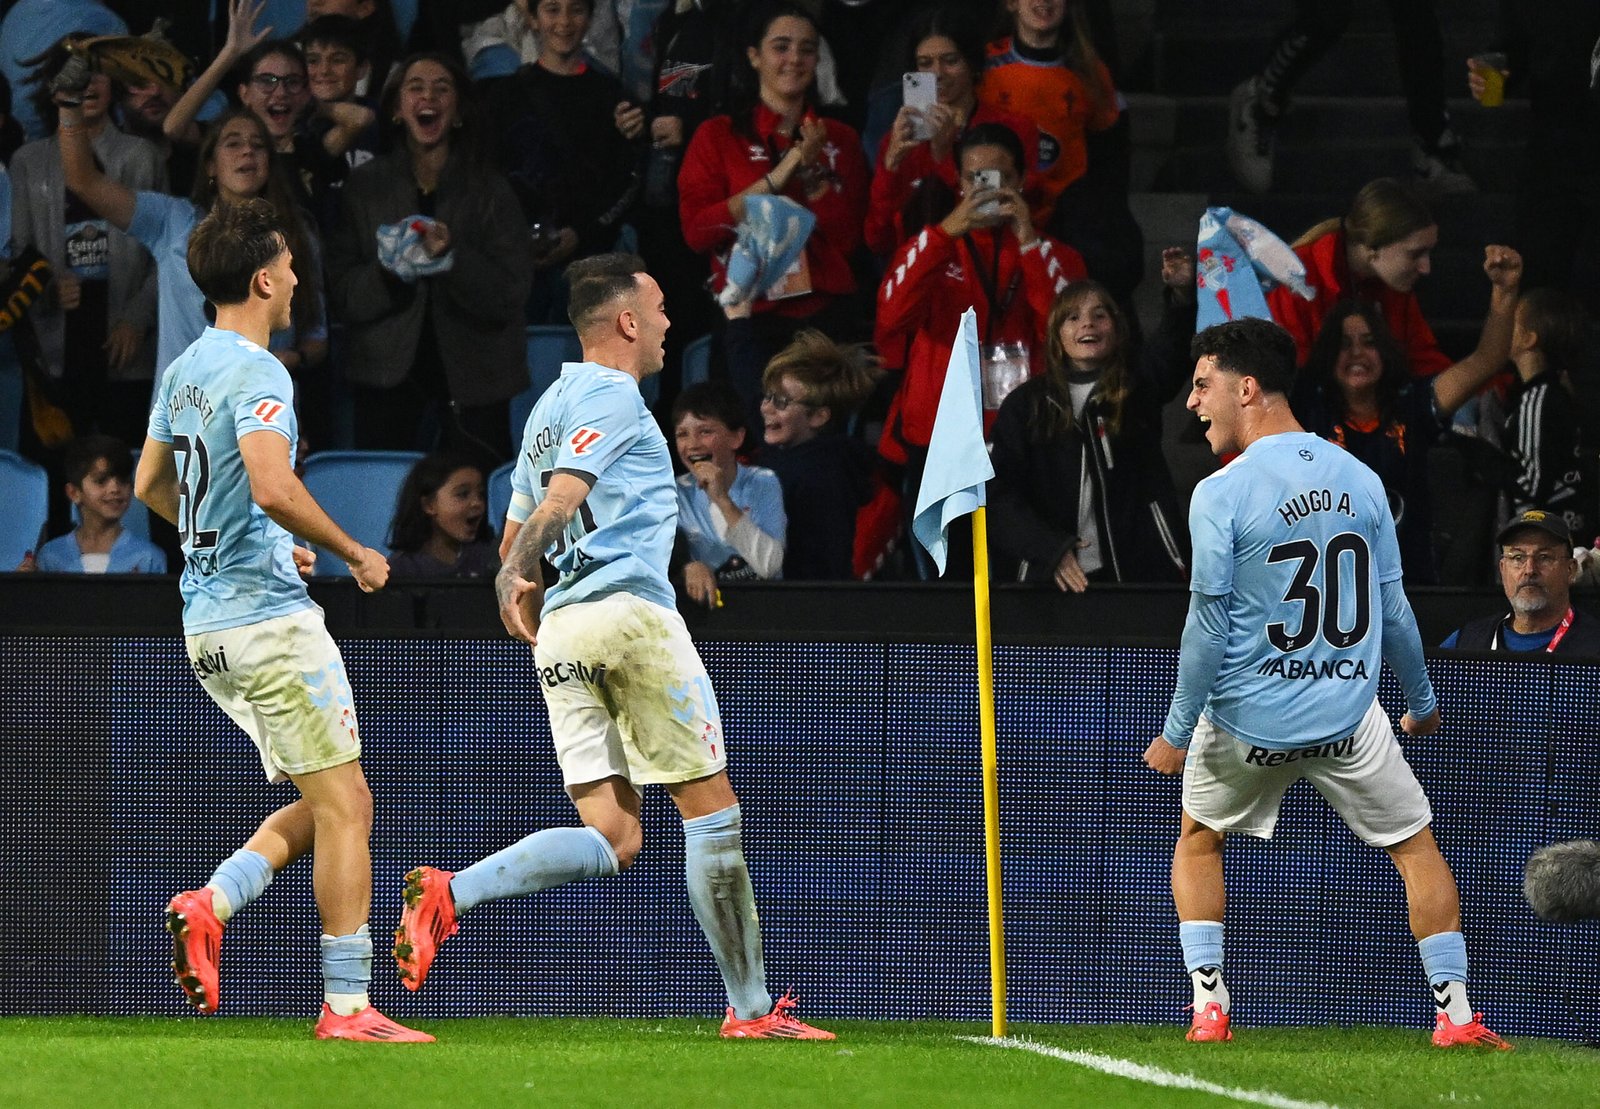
730, 515
99, 473
441, 527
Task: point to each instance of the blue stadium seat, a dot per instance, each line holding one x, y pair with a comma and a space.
25, 503
500, 497
548, 347
697, 361
358, 489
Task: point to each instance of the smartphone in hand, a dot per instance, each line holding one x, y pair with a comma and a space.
919, 92
987, 179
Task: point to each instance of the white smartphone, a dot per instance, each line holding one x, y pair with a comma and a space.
987, 179
919, 91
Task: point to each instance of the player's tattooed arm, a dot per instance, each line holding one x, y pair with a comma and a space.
519, 586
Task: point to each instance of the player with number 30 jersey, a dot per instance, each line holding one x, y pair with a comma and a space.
1295, 602
1297, 535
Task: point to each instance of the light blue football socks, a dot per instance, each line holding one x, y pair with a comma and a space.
238, 881
553, 857
1202, 956
725, 905
347, 971
1444, 958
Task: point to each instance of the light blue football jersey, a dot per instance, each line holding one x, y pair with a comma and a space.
593, 422
1297, 534
238, 565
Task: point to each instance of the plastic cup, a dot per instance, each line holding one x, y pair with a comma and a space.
1492, 68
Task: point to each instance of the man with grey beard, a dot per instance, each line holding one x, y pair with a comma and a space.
1537, 569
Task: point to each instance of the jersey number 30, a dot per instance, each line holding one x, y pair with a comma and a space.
1320, 604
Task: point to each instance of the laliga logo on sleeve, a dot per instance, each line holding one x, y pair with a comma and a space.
584, 438
267, 411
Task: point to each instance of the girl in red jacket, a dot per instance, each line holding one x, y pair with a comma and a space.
773, 142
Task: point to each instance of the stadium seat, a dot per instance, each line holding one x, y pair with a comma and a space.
500, 496
25, 493
359, 490
548, 347
697, 361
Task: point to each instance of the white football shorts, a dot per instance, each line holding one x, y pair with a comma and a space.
283, 682
1233, 786
627, 693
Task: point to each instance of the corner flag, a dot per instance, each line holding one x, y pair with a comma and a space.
952, 486
958, 463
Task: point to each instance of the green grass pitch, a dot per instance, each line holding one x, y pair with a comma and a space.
236, 1062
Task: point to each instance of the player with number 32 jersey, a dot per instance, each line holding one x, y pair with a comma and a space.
238, 564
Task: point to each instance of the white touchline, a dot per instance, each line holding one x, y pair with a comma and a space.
1155, 1076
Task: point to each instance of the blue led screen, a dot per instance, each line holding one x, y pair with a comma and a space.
858, 769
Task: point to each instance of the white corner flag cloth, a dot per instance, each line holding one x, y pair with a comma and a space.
958, 462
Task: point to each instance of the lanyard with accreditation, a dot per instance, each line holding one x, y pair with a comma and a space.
1555, 640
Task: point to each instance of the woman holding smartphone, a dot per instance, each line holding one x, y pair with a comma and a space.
773, 143
985, 254
915, 179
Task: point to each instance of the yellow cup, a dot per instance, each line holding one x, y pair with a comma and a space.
1492, 68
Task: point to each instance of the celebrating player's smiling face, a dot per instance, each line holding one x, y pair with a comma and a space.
458, 508
649, 309
281, 273
1214, 397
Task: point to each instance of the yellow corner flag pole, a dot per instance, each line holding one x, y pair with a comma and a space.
991, 768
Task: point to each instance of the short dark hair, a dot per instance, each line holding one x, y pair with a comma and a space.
336, 30
232, 244
596, 281
1251, 348
994, 134
711, 400
80, 456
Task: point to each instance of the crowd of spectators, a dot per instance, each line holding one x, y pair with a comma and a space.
438, 178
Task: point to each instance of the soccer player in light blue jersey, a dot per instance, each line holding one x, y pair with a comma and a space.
629, 701
217, 464
1296, 601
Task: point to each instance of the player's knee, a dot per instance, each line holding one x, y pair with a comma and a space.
348, 806
627, 844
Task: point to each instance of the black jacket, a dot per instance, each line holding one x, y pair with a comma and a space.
1582, 639
1033, 498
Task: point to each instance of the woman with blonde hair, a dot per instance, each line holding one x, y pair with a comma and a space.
1377, 253
1081, 491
